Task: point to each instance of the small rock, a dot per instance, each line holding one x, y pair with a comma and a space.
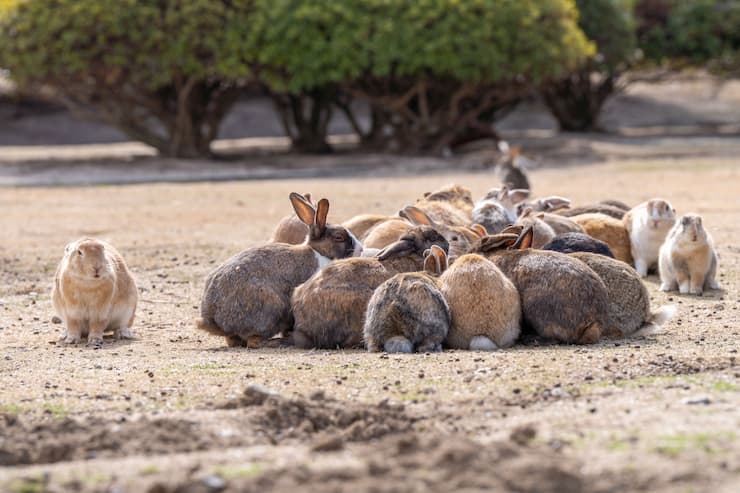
698, 401
56, 320
523, 434
214, 483
328, 444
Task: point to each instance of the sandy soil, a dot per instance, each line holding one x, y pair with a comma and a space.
174, 410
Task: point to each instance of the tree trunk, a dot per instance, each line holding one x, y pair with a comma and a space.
576, 101
305, 118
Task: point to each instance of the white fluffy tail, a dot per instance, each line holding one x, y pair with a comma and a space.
657, 320
398, 344
482, 343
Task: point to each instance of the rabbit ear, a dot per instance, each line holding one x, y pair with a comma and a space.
515, 229
416, 216
307, 196
495, 242
525, 240
502, 193
321, 213
435, 260
479, 229
518, 194
303, 209
400, 248
556, 203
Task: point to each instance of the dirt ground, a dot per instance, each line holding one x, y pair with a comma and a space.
175, 410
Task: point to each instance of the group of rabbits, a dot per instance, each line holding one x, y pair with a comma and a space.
446, 272
451, 272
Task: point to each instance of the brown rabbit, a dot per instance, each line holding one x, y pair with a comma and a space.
459, 237
498, 208
407, 312
561, 297
291, 229
628, 312
247, 298
329, 308
546, 204
609, 230
93, 292
484, 305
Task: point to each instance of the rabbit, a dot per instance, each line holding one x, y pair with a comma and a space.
361, 224
543, 232
561, 297
247, 298
93, 292
407, 312
459, 238
455, 195
484, 304
546, 204
510, 170
688, 260
615, 203
609, 230
628, 312
648, 225
291, 229
498, 208
329, 308
578, 242
561, 224
441, 212
598, 208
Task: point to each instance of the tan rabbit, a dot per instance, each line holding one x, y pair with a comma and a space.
561, 224
609, 230
543, 232
484, 305
407, 312
329, 308
545, 204
247, 298
688, 261
648, 225
360, 225
456, 195
598, 208
628, 312
291, 229
94, 292
561, 297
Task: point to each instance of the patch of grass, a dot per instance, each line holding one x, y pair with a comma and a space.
35, 484
674, 445
13, 408
228, 472
723, 386
56, 410
149, 470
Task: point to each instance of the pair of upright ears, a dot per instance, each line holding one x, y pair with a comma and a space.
310, 216
435, 260
511, 238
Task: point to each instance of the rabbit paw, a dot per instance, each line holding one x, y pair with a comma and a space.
95, 342
68, 339
125, 333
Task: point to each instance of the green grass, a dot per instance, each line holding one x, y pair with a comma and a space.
56, 410
13, 408
228, 472
674, 445
723, 386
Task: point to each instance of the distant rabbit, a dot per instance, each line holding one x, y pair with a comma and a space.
545, 204
688, 260
561, 224
247, 298
94, 292
361, 224
628, 313
484, 305
609, 230
648, 225
329, 308
578, 242
291, 229
407, 312
510, 170
561, 297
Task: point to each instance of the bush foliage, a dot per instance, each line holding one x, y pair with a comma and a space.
163, 72
166, 72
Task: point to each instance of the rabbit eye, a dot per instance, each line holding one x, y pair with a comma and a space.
454, 238
79, 252
338, 238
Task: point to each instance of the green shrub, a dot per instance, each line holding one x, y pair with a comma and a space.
164, 73
428, 68
577, 99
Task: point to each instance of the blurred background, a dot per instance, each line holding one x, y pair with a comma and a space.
422, 77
